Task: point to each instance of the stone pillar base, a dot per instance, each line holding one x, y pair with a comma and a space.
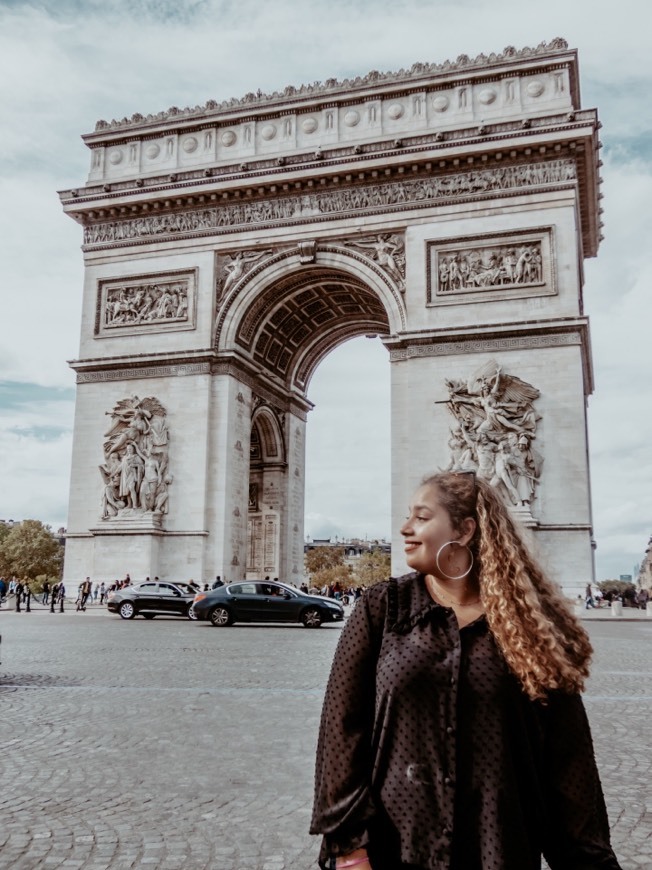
130, 521
524, 516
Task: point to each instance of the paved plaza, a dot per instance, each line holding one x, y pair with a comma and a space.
171, 744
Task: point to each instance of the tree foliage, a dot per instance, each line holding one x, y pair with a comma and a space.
30, 549
320, 558
372, 567
336, 574
326, 565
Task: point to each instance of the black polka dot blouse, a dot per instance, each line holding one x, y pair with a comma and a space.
431, 756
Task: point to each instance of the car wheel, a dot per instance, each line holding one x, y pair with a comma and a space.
220, 617
127, 610
311, 618
149, 615
190, 612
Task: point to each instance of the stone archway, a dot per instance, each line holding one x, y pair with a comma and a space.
228, 248
285, 319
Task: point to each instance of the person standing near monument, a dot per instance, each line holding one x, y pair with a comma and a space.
453, 734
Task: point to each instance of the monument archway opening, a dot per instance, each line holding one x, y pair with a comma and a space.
289, 327
228, 248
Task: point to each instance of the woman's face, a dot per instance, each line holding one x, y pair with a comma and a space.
427, 528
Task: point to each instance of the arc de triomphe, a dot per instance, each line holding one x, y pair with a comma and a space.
228, 248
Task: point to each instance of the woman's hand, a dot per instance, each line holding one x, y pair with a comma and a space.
357, 860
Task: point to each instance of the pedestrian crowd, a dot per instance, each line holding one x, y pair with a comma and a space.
629, 597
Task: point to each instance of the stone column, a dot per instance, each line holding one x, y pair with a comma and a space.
228, 478
293, 534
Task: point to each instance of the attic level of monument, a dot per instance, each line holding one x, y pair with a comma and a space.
483, 68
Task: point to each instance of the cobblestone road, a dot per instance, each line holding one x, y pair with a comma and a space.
170, 744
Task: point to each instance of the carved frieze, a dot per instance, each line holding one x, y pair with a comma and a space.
162, 371
491, 267
494, 432
146, 303
486, 345
330, 204
135, 472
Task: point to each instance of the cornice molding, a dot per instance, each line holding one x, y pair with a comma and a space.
339, 155
495, 338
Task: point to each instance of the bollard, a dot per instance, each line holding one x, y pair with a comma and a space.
616, 608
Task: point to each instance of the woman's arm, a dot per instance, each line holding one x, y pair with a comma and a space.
578, 836
343, 804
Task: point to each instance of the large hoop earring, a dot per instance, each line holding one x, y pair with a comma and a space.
456, 576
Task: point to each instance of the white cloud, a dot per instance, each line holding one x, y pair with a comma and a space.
70, 63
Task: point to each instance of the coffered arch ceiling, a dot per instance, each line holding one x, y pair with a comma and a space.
295, 322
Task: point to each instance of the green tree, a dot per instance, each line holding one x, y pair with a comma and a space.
30, 549
372, 567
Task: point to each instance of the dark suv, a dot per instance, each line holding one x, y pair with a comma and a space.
258, 601
153, 599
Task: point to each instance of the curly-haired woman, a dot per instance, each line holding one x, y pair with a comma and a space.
453, 735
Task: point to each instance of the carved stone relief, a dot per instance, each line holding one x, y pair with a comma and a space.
418, 192
495, 427
388, 251
491, 266
146, 303
231, 268
135, 472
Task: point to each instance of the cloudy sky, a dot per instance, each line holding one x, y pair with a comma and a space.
66, 63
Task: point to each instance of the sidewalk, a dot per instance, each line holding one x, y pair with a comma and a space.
629, 614
69, 607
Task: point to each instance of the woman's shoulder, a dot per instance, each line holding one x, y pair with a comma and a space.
379, 591
383, 597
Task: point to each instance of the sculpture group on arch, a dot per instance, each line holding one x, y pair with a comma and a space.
135, 472
494, 432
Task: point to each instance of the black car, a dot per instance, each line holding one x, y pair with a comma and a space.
153, 599
258, 601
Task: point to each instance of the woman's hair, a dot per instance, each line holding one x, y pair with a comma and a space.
541, 640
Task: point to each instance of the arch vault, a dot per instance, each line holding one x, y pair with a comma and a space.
229, 248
